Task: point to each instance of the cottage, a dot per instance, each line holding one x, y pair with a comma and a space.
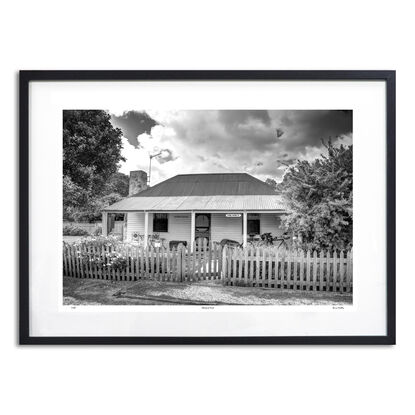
233, 206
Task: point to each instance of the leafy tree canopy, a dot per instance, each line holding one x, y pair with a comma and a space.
319, 195
91, 156
91, 148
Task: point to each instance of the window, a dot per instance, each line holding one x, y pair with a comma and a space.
253, 224
160, 222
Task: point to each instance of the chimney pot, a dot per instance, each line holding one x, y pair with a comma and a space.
138, 182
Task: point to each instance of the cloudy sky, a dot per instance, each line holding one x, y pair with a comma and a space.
259, 142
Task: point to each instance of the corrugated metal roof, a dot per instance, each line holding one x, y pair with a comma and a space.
241, 184
200, 203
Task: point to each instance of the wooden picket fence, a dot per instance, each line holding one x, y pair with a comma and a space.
131, 263
296, 270
255, 267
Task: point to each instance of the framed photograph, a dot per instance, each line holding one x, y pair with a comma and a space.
207, 207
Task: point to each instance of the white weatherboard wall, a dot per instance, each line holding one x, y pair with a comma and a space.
222, 227
225, 228
178, 226
135, 224
231, 228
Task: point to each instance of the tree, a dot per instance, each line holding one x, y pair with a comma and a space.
118, 183
319, 196
271, 182
91, 156
91, 148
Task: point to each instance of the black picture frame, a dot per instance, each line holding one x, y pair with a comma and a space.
26, 77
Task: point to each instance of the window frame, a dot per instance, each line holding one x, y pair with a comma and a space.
158, 220
258, 220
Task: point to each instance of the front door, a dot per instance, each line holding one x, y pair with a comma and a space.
202, 226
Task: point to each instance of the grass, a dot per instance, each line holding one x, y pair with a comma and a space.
99, 292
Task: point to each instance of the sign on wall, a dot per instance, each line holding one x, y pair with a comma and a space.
233, 215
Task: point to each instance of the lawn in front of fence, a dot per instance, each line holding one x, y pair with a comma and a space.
77, 292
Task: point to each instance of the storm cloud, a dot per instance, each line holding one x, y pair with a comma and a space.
133, 124
259, 142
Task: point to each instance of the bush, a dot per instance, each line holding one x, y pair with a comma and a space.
71, 230
99, 241
97, 231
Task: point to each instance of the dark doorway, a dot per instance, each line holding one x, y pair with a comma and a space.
202, 226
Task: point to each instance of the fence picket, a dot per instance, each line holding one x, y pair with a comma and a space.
125, 271
278, 278
73, 253
269, 264
209, 260
173, 264
95, 257
314, 263
321, 270
251, 266
95, 265
193, 263
295, 271
157, 263
65, 264
341, 271
224, 265
335, 271
82, 262
130, 262
256, 266
349, 271
233, 267
219, 257
301, 272
308, 276
187, 273
68, 259
147, 262
90, 263
101, 254
71, 261
179, 264
288, 269
151, 265
229, 263
214, 260
262, 267
79, 263
283, 260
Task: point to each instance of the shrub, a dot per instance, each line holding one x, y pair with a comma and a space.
71, 230
99, 240
97, 231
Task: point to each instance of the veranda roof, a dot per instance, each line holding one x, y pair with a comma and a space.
199, 203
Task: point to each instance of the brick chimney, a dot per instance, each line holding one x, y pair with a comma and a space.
138, 182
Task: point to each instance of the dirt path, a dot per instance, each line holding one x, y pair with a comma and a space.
96, 292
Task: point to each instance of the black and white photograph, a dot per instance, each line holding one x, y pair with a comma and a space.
207, 207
